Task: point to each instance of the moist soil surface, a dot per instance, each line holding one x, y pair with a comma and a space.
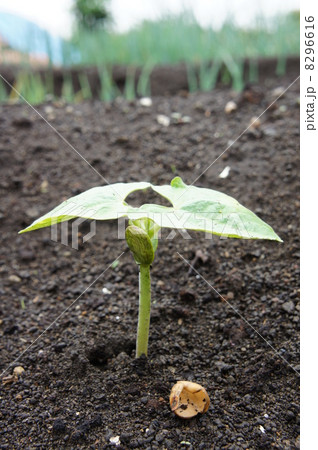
68, 316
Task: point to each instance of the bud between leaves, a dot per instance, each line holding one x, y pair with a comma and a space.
140, 244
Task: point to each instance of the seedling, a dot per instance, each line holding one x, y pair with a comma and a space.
192, 208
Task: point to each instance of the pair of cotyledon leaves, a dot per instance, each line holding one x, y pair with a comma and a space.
192, 208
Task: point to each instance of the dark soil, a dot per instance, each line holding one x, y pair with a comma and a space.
81, 385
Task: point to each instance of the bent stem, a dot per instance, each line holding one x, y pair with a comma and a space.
144, 310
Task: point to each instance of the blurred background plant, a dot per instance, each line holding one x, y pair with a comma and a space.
209, 53
91, 15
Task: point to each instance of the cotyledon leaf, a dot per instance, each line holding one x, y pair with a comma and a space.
211, 211
99, 203
192, 208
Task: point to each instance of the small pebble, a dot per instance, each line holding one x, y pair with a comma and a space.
255, 122
163, 120
145, 101
278, 92
44, 187
225, 172
115, 440
48, 109
288, 306
14, 279
106, 291
230, 107
18, 371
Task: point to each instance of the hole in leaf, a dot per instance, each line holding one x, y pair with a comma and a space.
140, 198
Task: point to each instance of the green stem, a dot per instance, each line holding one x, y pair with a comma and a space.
144, 310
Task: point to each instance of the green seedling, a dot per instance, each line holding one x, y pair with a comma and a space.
192, 208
